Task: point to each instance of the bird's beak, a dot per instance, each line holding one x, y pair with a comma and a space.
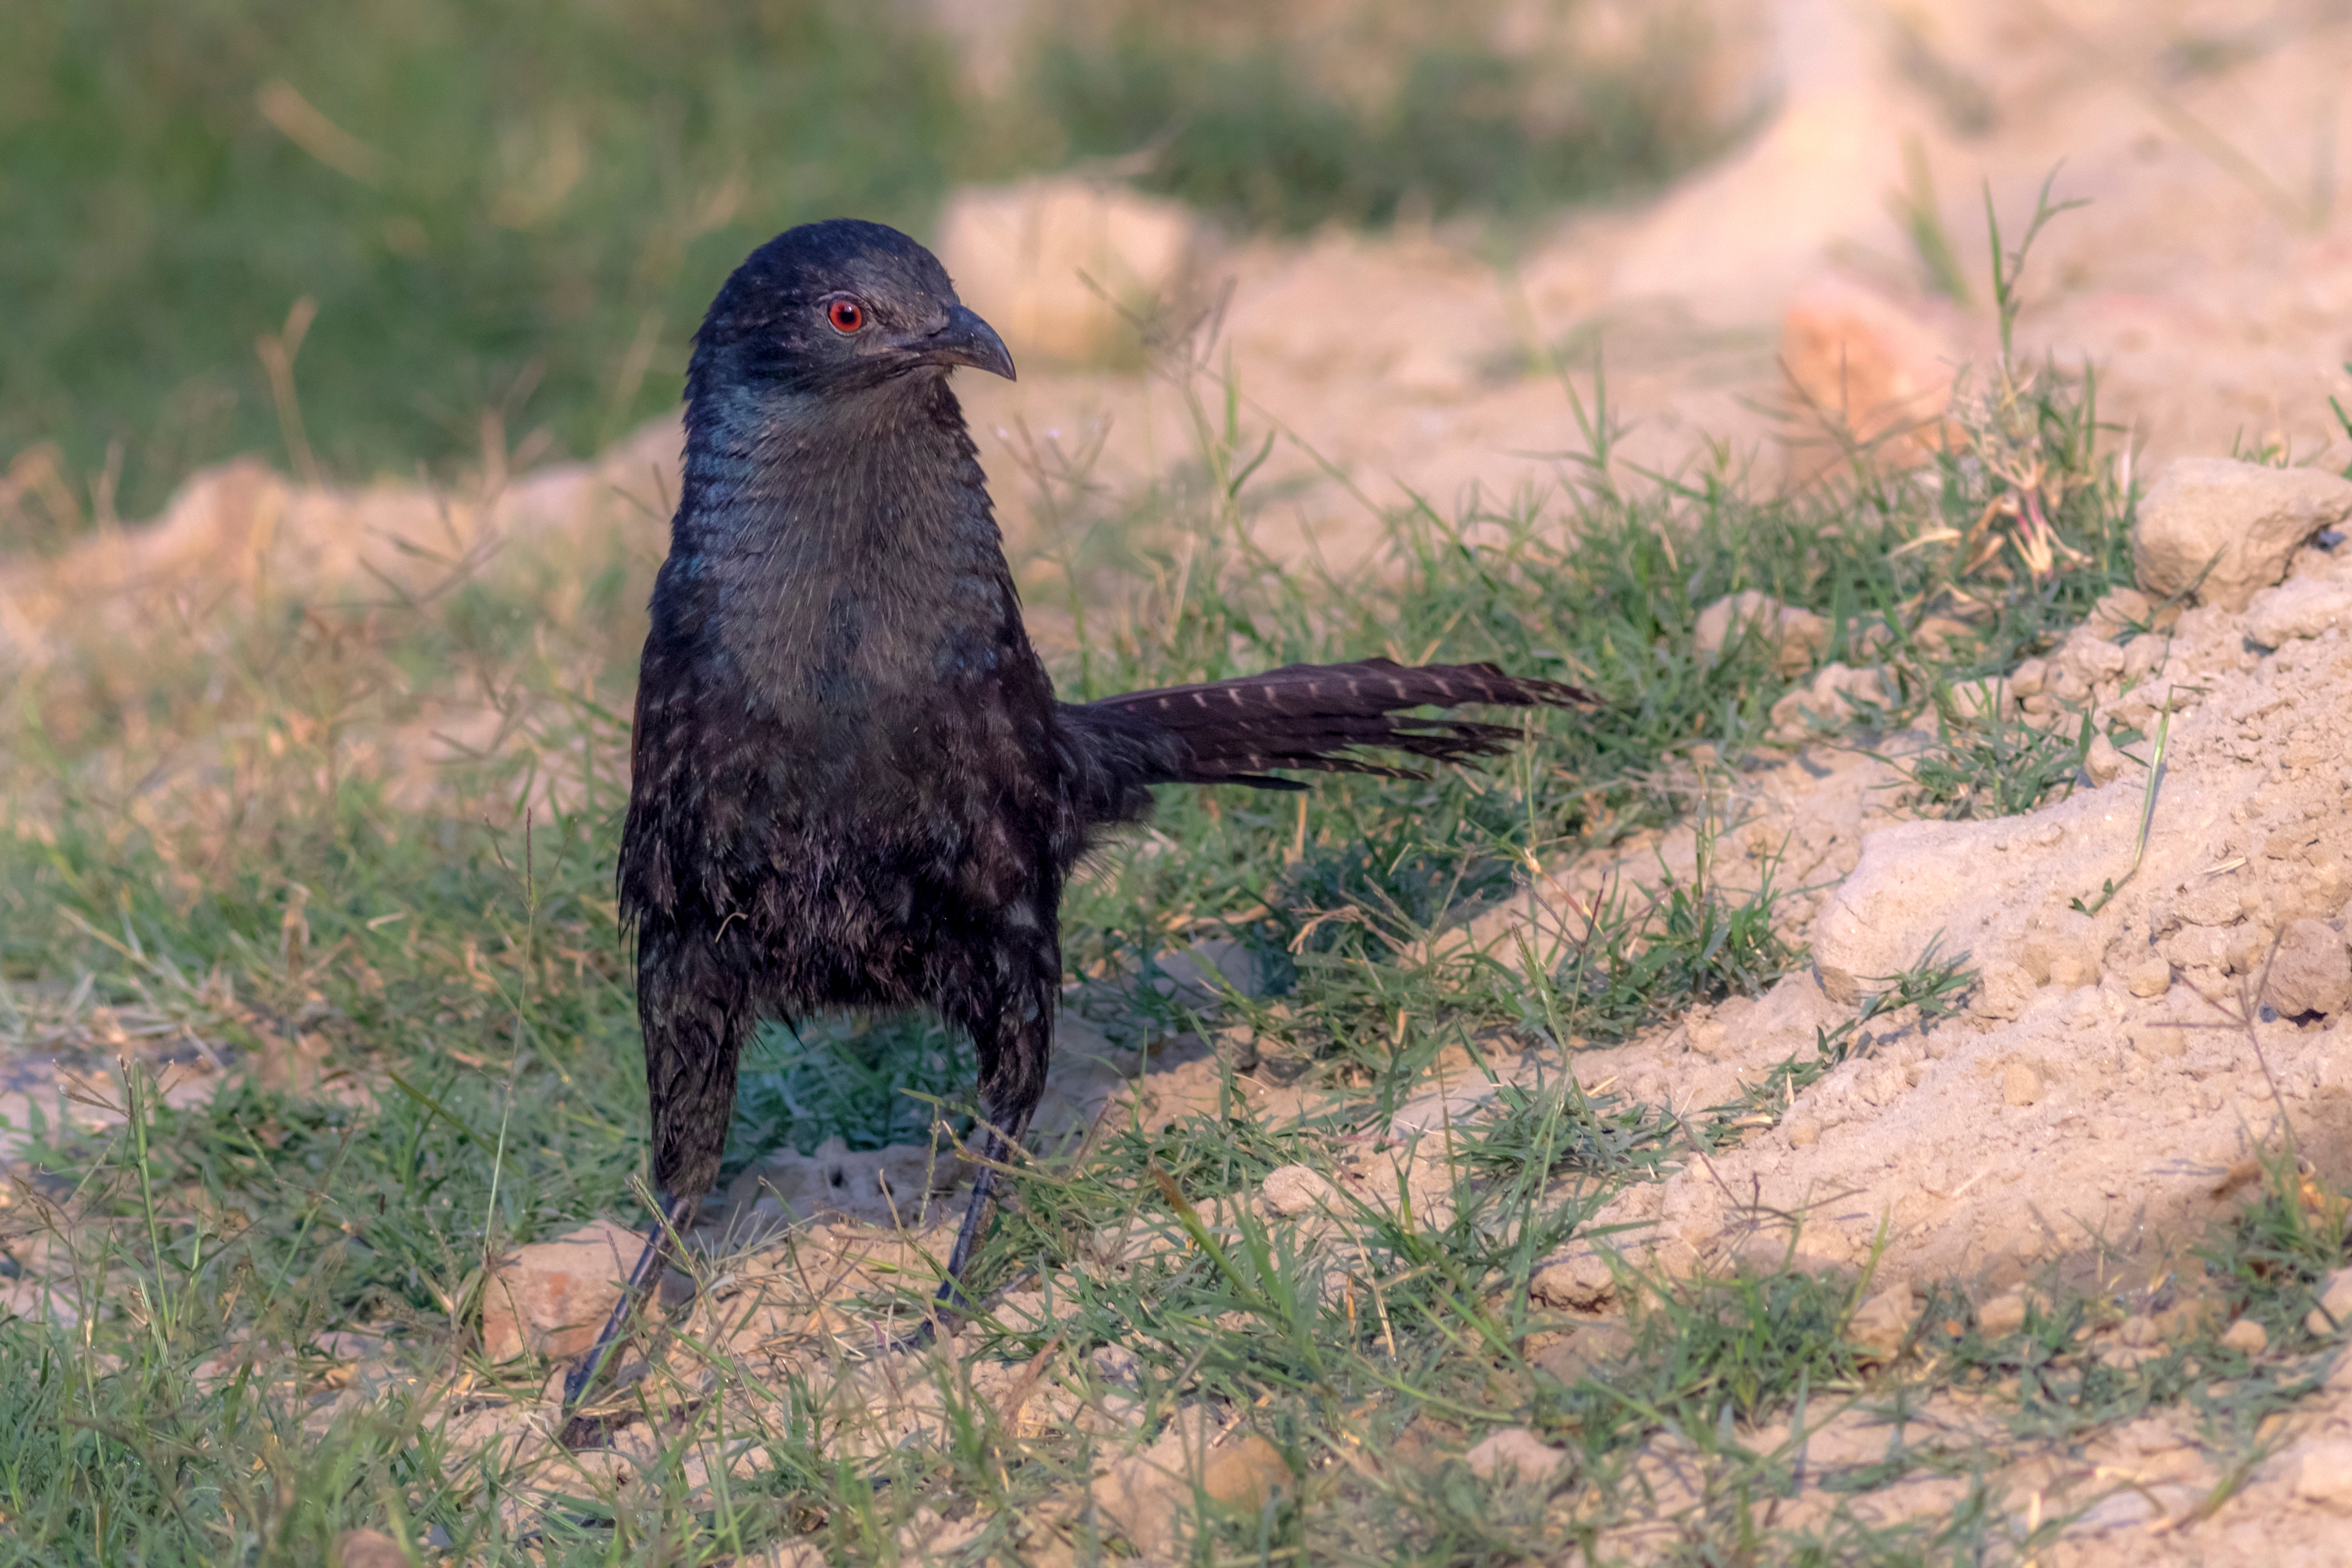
966, 340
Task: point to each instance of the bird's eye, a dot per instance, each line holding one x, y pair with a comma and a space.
846, 316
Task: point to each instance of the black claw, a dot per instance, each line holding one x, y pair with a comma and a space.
588, 1371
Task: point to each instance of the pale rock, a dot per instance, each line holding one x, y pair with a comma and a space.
1794, 637
1707, 1036
2311, 972
1516, 1454
551, 1297
1982, 699
1589, 1350
2301, 608
1578, 1282
367, 1549
2245, 949
2029, 678
1881, 1324
1836, 694
2334, 1310
1290, 1191
2069, 972
2323, 1473
1149, 1496
2246, 1337
1024, 254
2002, 1316
2150, 977
2121, 610
2246, 519
2020, 1084
2067, 939
2004, 991
2102, 762
2091, 657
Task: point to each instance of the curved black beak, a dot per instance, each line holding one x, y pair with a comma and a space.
966, 340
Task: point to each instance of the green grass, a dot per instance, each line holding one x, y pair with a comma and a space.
1254, 133
206, 831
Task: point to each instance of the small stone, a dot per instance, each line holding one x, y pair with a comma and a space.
2303, 608
2091, 657
2122, 609
2230, 528
2102, 762
2245, 949
1834, 695
2151, 976
1793, 637
1708, 1037
1578, 1282
1881, 1324
1145, 1496
1803, 1131
2020, 1084
2334, 1310
1977, 699
2071, 972
1590, 1351
367, 1549
2246, 1337
551, 1297
1516, 1454
2139, 1329
2029, 678
2002, 1316
2004, 991
2068, 934
2323, 1474
1292, 1189
2312, 972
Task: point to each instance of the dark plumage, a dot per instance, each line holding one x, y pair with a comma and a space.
853, 785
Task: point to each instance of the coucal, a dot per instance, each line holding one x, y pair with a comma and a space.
852, 785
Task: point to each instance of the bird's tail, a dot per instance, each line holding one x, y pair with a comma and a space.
1327, 718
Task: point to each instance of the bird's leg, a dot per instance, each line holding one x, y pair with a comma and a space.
589, 1370
999, 1146
1014, 1033
951, 1303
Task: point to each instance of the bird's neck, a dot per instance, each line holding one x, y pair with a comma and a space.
818, 538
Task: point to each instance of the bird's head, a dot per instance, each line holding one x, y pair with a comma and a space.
837, 307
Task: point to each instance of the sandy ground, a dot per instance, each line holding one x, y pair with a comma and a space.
2097, 1101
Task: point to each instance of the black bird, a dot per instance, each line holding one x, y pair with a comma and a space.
853, 787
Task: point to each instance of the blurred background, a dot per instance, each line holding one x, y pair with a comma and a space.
419, 214
430, 239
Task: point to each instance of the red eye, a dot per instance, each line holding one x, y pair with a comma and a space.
846, 316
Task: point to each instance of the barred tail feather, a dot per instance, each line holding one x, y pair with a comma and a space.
1321, 717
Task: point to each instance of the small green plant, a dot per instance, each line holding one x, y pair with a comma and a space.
1999, 766
1683, 943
